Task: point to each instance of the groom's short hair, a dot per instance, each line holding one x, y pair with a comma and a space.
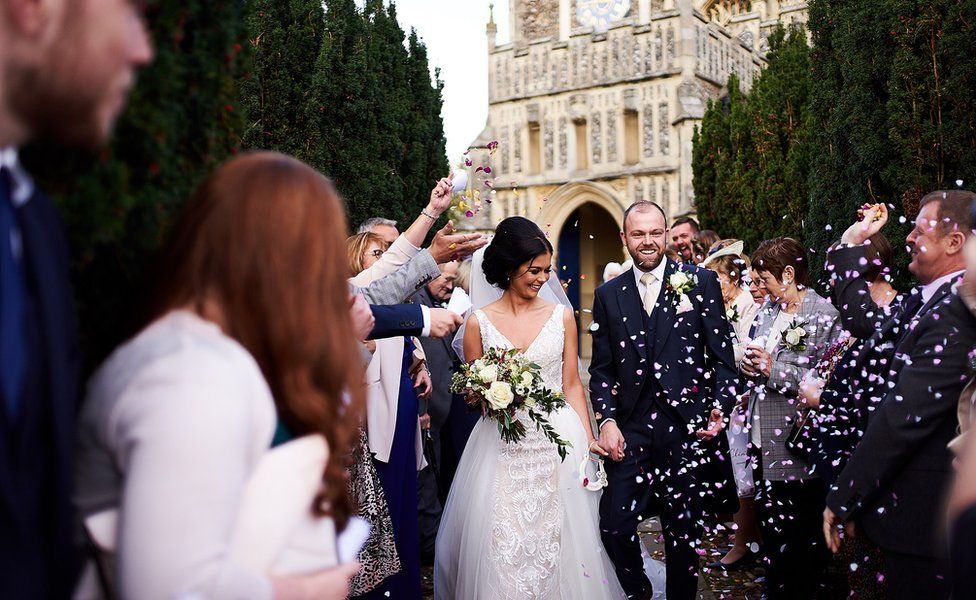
644, 206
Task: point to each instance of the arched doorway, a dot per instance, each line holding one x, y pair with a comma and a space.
583, 221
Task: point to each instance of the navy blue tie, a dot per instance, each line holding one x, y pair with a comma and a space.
13, 302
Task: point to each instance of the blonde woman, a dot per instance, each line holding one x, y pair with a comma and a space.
730, 263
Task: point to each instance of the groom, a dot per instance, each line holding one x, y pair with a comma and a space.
661, 378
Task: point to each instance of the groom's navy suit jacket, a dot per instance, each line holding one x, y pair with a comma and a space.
687, 360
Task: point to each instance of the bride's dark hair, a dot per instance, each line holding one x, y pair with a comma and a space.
517, 240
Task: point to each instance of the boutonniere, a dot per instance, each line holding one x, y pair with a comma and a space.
680, 283
795, 336
732, 314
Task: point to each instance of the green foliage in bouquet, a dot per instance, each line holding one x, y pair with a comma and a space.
503, 382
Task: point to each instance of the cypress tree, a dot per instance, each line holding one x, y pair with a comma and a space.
277, 93
183, 119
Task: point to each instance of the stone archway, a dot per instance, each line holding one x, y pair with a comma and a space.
583, 221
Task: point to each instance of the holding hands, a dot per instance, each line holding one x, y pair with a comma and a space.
716, 423
757, 361
612, 441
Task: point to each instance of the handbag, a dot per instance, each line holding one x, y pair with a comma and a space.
800, 438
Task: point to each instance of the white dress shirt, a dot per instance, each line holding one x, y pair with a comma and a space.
658, 273
931, 288
23, 189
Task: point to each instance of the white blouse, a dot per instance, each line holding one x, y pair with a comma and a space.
174, 424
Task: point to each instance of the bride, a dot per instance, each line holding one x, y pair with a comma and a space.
519, 522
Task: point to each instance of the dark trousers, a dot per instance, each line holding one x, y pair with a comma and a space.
654, 478
791, 521
908, 577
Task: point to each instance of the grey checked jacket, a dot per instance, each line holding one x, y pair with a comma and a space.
399, 285
773, 405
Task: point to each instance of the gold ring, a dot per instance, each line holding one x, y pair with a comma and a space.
452, 247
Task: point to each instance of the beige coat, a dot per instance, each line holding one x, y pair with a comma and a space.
384, 370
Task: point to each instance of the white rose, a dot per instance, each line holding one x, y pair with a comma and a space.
520, 390
500, 395
792, 337
488, 374
677, 280
530, 403
527, 379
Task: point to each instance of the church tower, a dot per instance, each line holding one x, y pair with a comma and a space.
593, 104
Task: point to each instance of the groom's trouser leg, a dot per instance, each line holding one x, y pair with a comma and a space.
681, 507
626, 501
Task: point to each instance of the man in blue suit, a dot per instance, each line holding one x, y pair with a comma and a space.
65, 70
662, 376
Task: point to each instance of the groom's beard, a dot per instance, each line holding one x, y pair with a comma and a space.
647, 263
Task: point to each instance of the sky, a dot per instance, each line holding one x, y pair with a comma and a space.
454, 31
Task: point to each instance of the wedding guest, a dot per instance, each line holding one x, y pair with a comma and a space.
729, 262
612, 270
894, 484
962, 501
707, 238
385, 228
439, 444
846, 389
393, 429
792, 331
758, 293
683, 232
251, 329
66, 67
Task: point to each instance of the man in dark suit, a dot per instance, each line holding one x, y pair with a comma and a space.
894, 484
65, 69
662, 377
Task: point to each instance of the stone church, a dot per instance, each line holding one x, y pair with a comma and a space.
593, 104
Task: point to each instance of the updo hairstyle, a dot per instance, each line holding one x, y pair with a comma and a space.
517, 240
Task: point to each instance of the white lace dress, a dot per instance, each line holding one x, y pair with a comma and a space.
518, 523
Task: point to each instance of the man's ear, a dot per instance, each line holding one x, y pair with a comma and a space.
954, 243
28, 18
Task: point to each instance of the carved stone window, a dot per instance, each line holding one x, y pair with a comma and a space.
517, 150
671, 48
547, 136
596, 138
563, 144
611, 136
664, 131
666, 194
658, 48
638, 190
637, 59
505, 146
648, 130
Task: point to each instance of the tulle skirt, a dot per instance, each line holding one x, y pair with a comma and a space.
518, 523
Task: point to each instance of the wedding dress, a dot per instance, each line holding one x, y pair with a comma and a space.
518, 523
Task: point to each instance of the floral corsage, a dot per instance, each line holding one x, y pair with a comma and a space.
732, 314
680, 283
795, 336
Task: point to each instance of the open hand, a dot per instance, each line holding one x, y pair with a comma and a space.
447, 245
831, 529
362, 316
612, 441
716, 423
421, 383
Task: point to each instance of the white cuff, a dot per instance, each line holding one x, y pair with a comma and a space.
605, 421
426, 330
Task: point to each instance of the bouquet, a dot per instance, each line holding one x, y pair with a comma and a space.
503, 382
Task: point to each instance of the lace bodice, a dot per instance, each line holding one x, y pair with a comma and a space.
546, 350
526, 536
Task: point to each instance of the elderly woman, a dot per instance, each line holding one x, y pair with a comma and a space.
793, 331
730, 263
